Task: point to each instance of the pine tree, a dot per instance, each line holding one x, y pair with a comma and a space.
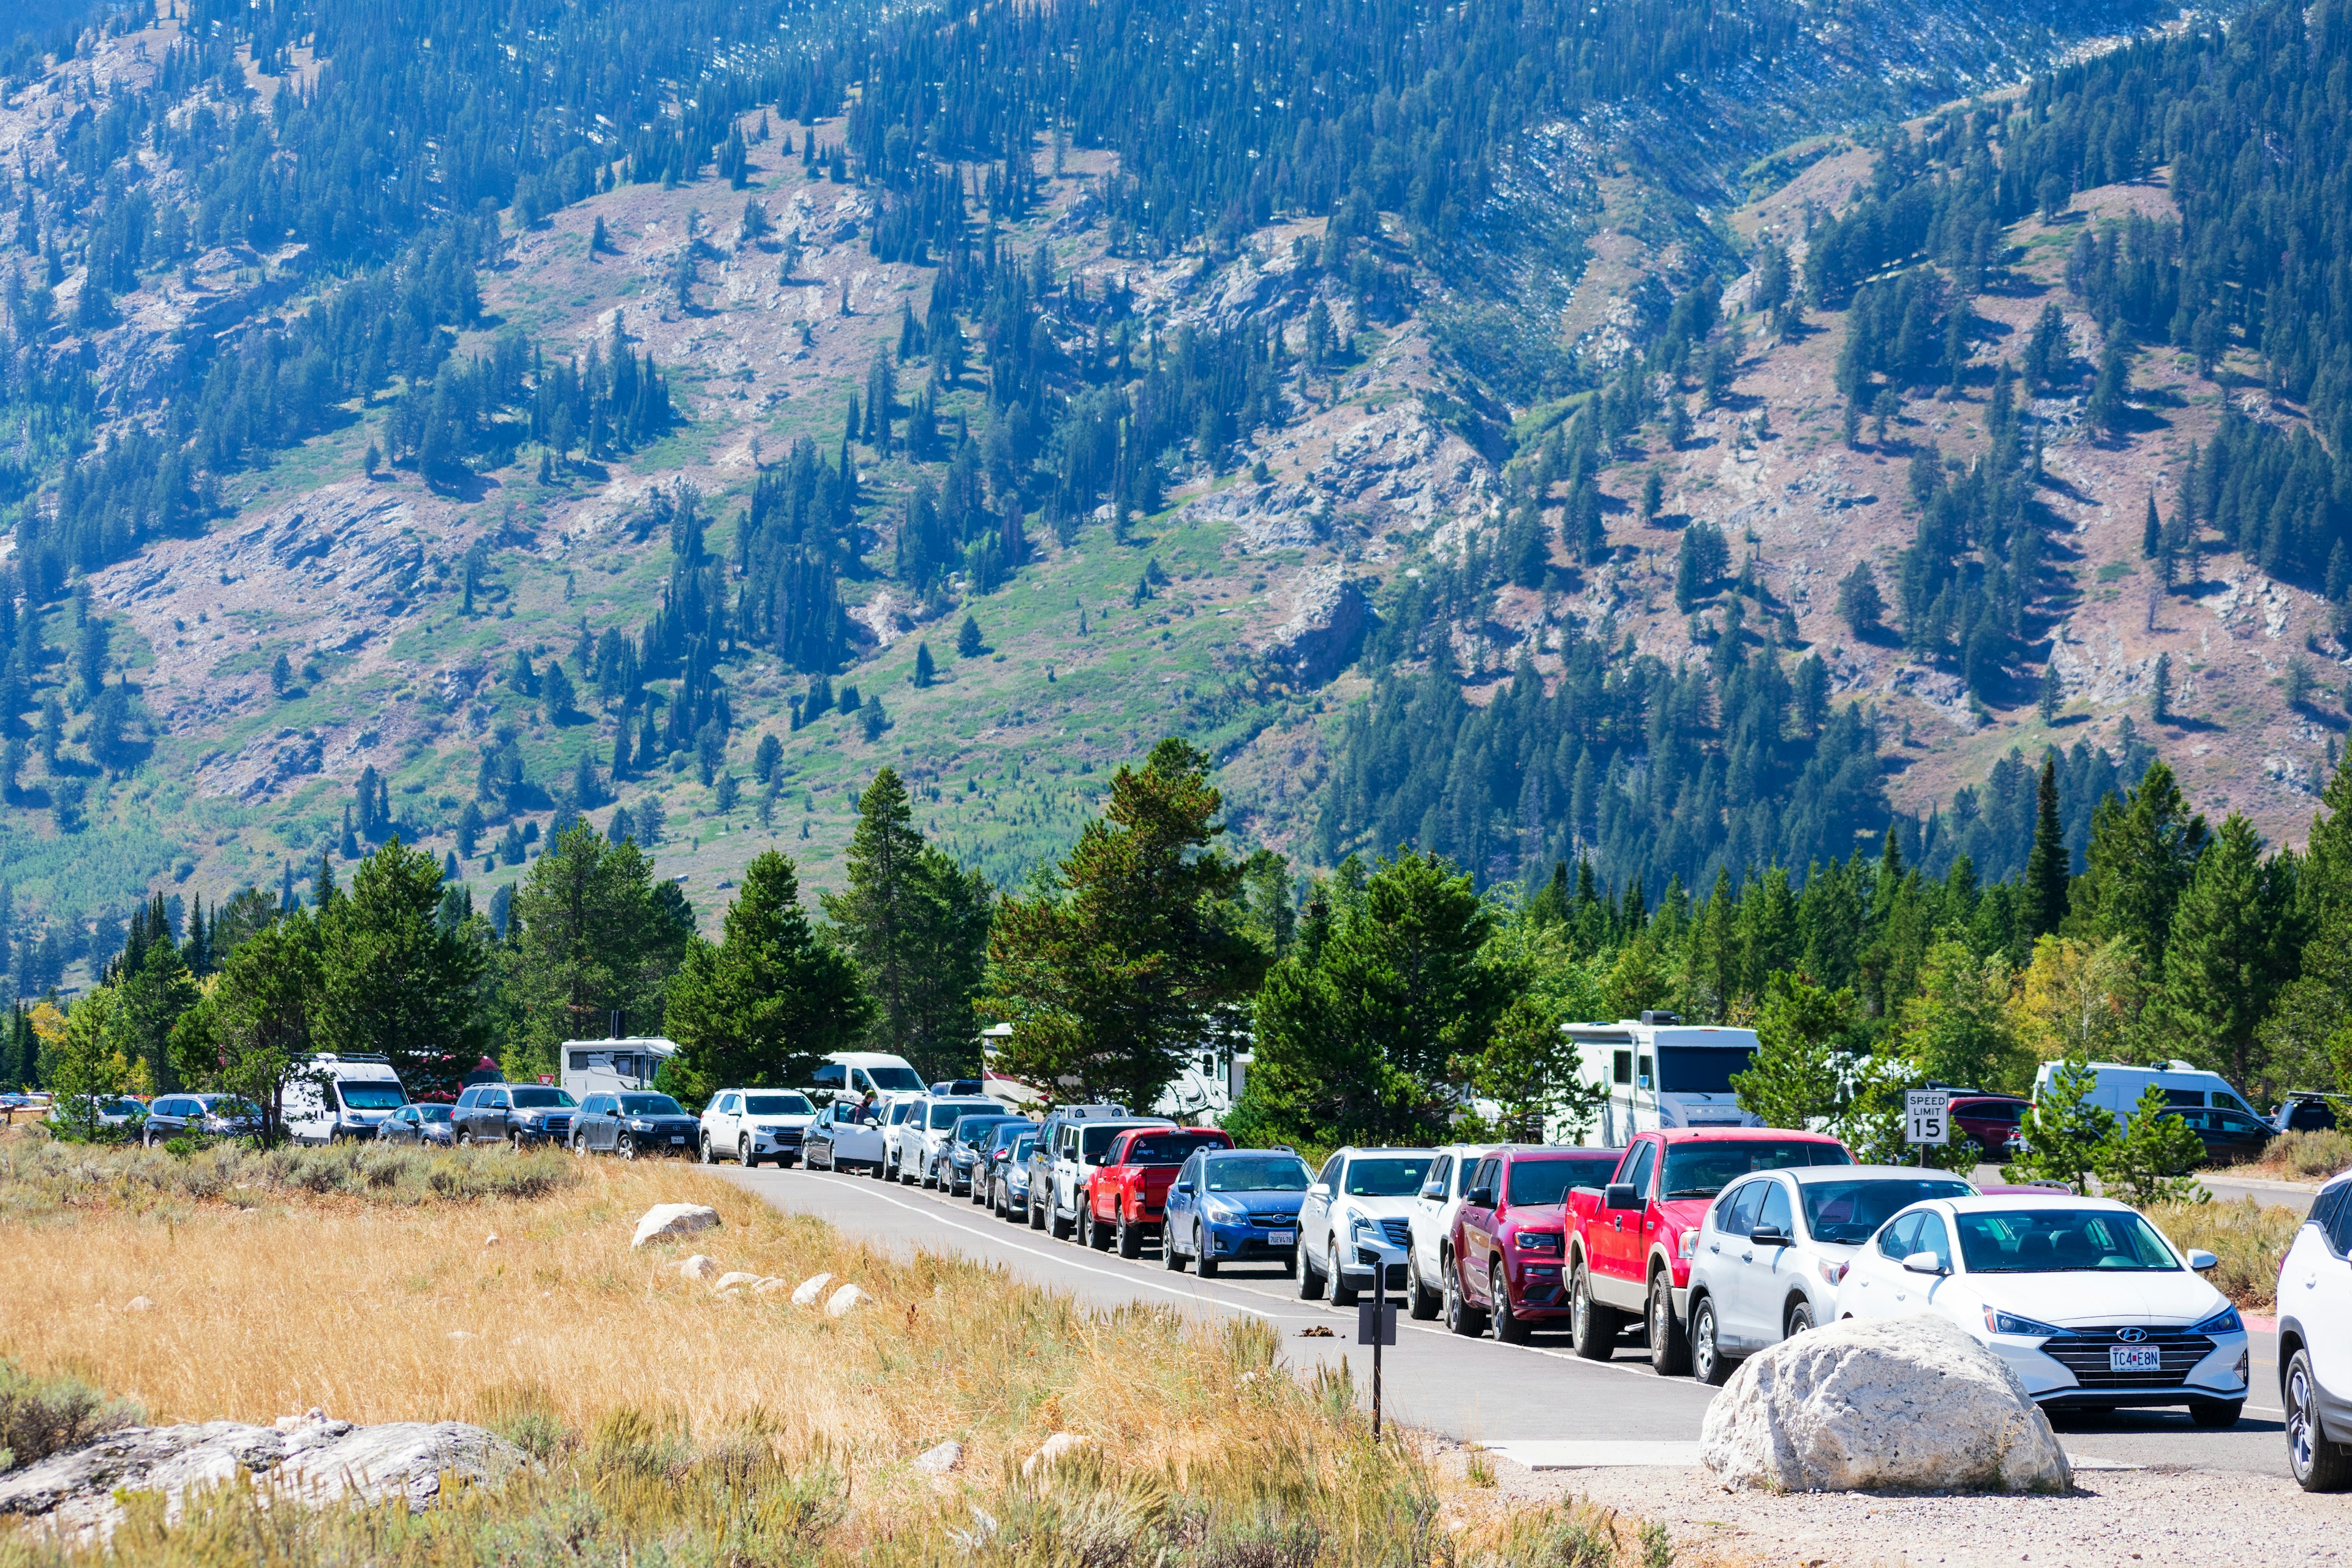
925, 670
2049, 869
1859, 603
2148, 1159
1801, 1029
2151, 531
2233, 942
2052, 691
2065, 1131
763, 1003
967, 638
2159, 703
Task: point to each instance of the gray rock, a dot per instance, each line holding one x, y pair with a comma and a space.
668, 1222
1903, 1403
940, 1459
309, 1460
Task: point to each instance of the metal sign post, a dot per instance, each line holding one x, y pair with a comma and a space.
1376, 1325
1926, 1119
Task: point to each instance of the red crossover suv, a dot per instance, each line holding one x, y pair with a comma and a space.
1128, 1195
1502, 1261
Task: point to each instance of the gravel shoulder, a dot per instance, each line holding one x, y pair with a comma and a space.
2114, 1519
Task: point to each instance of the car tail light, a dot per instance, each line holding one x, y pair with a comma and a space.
1831, 1272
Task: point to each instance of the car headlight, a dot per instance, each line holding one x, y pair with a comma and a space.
2000, 1322
1543, 1241
1225, 1211
640, 1126
2225, 1321
1686, 1248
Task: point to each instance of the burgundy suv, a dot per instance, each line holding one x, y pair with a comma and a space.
1992, 1121
1509, 1237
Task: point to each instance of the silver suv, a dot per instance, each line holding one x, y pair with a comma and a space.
919, 1143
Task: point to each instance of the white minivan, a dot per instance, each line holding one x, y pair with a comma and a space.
339, 1097
2119, 1087
854, 1075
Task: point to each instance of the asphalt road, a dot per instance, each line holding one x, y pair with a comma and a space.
1537, 1397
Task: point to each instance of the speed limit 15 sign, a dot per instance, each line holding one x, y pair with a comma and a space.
1926, 1116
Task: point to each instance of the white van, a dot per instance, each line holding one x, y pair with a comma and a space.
612, 1066
2119, 1087
338, 1096
1662, 1072
854, 1075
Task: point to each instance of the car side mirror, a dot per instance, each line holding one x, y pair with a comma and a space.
1319, 1190
1621, 1196
1924, 1263
1183, 1186
1481, 1198
2202, 1260
1770, 1236
1433, 1192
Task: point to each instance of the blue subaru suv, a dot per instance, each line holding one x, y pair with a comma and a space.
1236, 1205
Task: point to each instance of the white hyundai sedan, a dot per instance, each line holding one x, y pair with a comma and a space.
2088, 1304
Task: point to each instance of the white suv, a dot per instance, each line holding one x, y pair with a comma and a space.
2314, 1342
1361, 1195
749, 1125
918, 1142
1078, 1154
1432, 1221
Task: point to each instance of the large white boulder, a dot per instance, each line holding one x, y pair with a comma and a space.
845, 1300
809, 1290
1900, 1404
669, 1222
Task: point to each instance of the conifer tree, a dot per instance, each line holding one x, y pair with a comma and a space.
2049, 869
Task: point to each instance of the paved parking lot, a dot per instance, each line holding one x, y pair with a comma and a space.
1538, 1400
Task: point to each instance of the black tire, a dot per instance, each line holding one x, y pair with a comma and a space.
626, 1146
1709, 1363
1205, 1263
1130, 1236
2317, 1465
1461, 1317
463, 1140
579, 1146
1669, 1343
744, 1157
1592, 1328
1098, 1231
1421, 1300
703, 1148
1342, 1293
1060, 1229
1800, 1320
1510, 1329
2215, 1415
1310, 1284
1169, 1255
1034, 1211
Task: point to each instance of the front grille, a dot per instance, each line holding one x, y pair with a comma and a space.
558, 1124
1274, 1221
1398, 1231
785, 1135
2083, 1352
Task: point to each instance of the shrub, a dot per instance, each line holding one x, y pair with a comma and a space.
40, 1416
2310, 1154
2249, 1238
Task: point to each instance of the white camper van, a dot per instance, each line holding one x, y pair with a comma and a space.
854, 1075
1662, 1072
611, 1067
339, 1097
2119, 1087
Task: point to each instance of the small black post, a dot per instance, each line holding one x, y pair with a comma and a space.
1379, 1332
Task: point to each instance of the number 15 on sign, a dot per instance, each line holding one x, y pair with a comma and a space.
1926, 1116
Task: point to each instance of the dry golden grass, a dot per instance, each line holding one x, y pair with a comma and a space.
2249, 1238
720, 1430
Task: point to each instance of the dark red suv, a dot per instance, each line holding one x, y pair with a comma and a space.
1990, 1121
1509, 1237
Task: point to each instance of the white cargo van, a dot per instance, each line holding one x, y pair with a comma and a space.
612, 1066
854, 1075
336, 1097
2119, 1087
1662, 1072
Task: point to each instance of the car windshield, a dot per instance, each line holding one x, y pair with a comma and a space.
1700, 1069
777, 1105
2061, 1241
1170, 1148
1095, 1142
1386, 1178
1990, 1111
1257, 1173
371, 1096
1547, 1181
977, 1129
543, 1099
433, 1113
230, 1108
948, 1115
647, 1105
1852, 1212
895, 1080
1703, 1170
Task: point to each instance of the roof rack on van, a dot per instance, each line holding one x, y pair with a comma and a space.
350, 1056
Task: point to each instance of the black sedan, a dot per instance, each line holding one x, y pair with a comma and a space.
2229, 1136
632, 1124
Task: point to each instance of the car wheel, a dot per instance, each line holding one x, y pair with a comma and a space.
744, 1157
627, 1147
1035, 1214
1310, 1284
1099, 1232
1130, 1236
708, 1157
1204, 1260
514, 1141
1799, 1322
2318, 1464
579, 1147
1460, 1316
1591, 1327
1420, 1300
1509, 1327
1669, 1346
147, 1139
1169, 1254
2216, 1415
1056, 1226
1707, 1362
1342, 1293
465, 1138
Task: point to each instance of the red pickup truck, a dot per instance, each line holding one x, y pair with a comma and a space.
1128, 1195
1630, 1242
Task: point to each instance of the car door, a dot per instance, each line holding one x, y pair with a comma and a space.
1766, 1272
1617, 1242
1730, 1261
1180, 1217
1314, 1209
1473, 1226
1428, 1205
1877, 1269
1917, 1292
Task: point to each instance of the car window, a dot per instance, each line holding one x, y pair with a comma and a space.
2061, 1241
1778, 1213
1702, 1169
1386, 1176
496, 1098
1442, 1172
1735, 1212
1546, 1179
1931, 1235
832, 1074
1170, 1148
1848, 1212
1484, 1175
650, 1105
1894, 1241
2339, 1225
468, 1097
775, 1105
893, 1080
433, 1113
542, 1100
1330, 1176
371, 1096
1638, 1176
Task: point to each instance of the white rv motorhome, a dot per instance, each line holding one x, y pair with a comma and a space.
612, 1066
1662, 1072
